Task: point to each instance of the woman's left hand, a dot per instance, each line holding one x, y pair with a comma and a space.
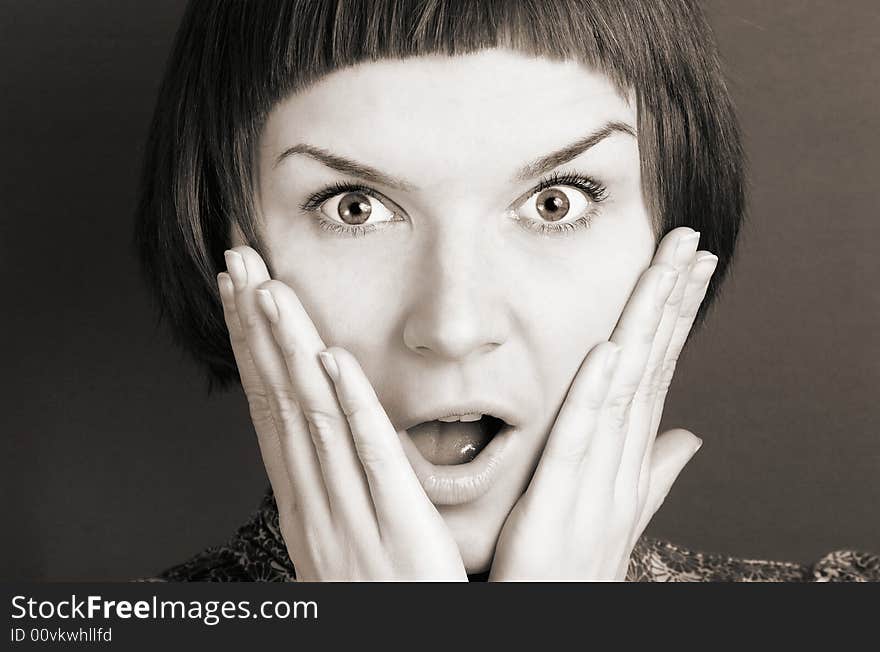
602, 476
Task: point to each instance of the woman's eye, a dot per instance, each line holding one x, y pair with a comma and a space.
356, 208
557, 204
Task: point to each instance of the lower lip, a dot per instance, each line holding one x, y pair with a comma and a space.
456, 484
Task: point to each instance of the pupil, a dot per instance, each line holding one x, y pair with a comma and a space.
354, 208
553, 205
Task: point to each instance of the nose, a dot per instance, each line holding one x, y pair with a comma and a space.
458, 307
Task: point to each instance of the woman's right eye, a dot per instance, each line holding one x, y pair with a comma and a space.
350, 209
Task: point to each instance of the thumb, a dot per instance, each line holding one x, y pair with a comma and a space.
671, 453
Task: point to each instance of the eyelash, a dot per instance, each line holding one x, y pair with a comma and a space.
313, 204
591, 187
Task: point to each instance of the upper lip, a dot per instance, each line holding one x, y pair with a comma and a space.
433, 413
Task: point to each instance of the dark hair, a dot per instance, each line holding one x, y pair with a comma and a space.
233, 60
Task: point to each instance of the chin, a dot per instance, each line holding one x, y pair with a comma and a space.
477, 551
475, 534
476, 526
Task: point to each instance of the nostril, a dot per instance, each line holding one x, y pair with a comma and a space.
451, 353
455, 332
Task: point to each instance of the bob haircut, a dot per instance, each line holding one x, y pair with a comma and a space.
233, 60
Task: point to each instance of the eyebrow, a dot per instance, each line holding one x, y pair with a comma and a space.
561, 156
528, 171
346, 166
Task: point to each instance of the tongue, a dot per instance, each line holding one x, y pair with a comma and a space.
457, 442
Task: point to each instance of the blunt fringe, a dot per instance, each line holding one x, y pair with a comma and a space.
233, 60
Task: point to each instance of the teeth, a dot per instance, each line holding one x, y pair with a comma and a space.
462, 417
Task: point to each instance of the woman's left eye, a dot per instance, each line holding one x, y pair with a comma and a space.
560, 204
556, 204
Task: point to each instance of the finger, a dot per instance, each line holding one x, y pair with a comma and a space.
396, 492
300, 345
634, 334
677, 249
267, 437
575, 425
702, 268
699, 274
248, 271
672, 451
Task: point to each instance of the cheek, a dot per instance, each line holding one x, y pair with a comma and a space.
569, 312
352, 301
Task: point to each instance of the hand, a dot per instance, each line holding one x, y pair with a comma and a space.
349, 504
602, 476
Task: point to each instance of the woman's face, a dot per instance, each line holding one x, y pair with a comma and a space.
403, 202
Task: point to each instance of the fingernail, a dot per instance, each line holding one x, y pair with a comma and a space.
237, 270
706, 256
686, 247
704, 266
268, 306
329, 364
611, 359
224, 283
666, 283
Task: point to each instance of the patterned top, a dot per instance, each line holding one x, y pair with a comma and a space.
257, 553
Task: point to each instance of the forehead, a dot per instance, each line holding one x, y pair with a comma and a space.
429, 116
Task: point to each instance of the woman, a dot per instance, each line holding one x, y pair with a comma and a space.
452, 251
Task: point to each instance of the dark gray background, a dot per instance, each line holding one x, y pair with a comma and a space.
118, 464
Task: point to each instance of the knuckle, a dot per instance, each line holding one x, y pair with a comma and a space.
622, 398
590, 405
665, 380
237, 338
353, 405
230, 313
373, 457
641, 332
287, 343
251, 320
689, 311
620, 402
273, 285
646, 337
643, 490
320, 417
650, 377
322, 427
286, 414
570, 456
258, 405
618, 411
673, 304
645, 393
283, 405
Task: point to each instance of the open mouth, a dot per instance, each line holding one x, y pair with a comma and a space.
459, 453
456, 440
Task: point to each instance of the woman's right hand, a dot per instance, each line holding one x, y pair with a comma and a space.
349, 504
